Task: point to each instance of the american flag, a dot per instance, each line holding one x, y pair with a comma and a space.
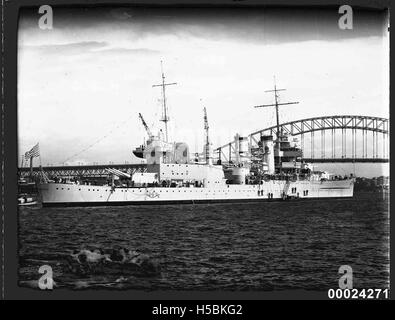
34, 152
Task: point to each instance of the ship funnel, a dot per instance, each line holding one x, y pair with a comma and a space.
241, 149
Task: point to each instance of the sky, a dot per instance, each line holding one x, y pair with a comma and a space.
82, 84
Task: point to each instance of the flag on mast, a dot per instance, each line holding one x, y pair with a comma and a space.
33, 153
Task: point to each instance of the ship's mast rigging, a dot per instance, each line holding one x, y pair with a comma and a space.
165, 117
207, 148
276, 104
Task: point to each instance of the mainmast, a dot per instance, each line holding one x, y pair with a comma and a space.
165, 117
276, 104
207, 147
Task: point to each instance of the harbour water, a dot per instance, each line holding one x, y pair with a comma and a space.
281, 245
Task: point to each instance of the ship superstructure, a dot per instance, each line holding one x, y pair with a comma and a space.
272, 171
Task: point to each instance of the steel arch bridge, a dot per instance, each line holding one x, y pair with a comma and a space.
352, 138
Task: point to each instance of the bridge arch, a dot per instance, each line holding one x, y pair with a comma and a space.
302, 126
344, 123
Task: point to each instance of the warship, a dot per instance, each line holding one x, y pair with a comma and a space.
274, 170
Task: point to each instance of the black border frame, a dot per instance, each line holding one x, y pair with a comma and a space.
8, 169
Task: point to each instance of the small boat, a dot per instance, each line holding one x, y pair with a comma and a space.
25, 200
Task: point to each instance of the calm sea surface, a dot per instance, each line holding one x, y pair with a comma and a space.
255, 246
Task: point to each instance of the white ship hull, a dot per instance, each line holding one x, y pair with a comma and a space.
60, 194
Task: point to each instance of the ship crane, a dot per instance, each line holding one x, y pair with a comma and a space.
150, 135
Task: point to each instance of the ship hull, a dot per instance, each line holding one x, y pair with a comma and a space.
56, 194
175, 202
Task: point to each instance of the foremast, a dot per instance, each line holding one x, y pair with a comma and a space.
165, 114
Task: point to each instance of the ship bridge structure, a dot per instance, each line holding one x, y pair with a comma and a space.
339, 138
